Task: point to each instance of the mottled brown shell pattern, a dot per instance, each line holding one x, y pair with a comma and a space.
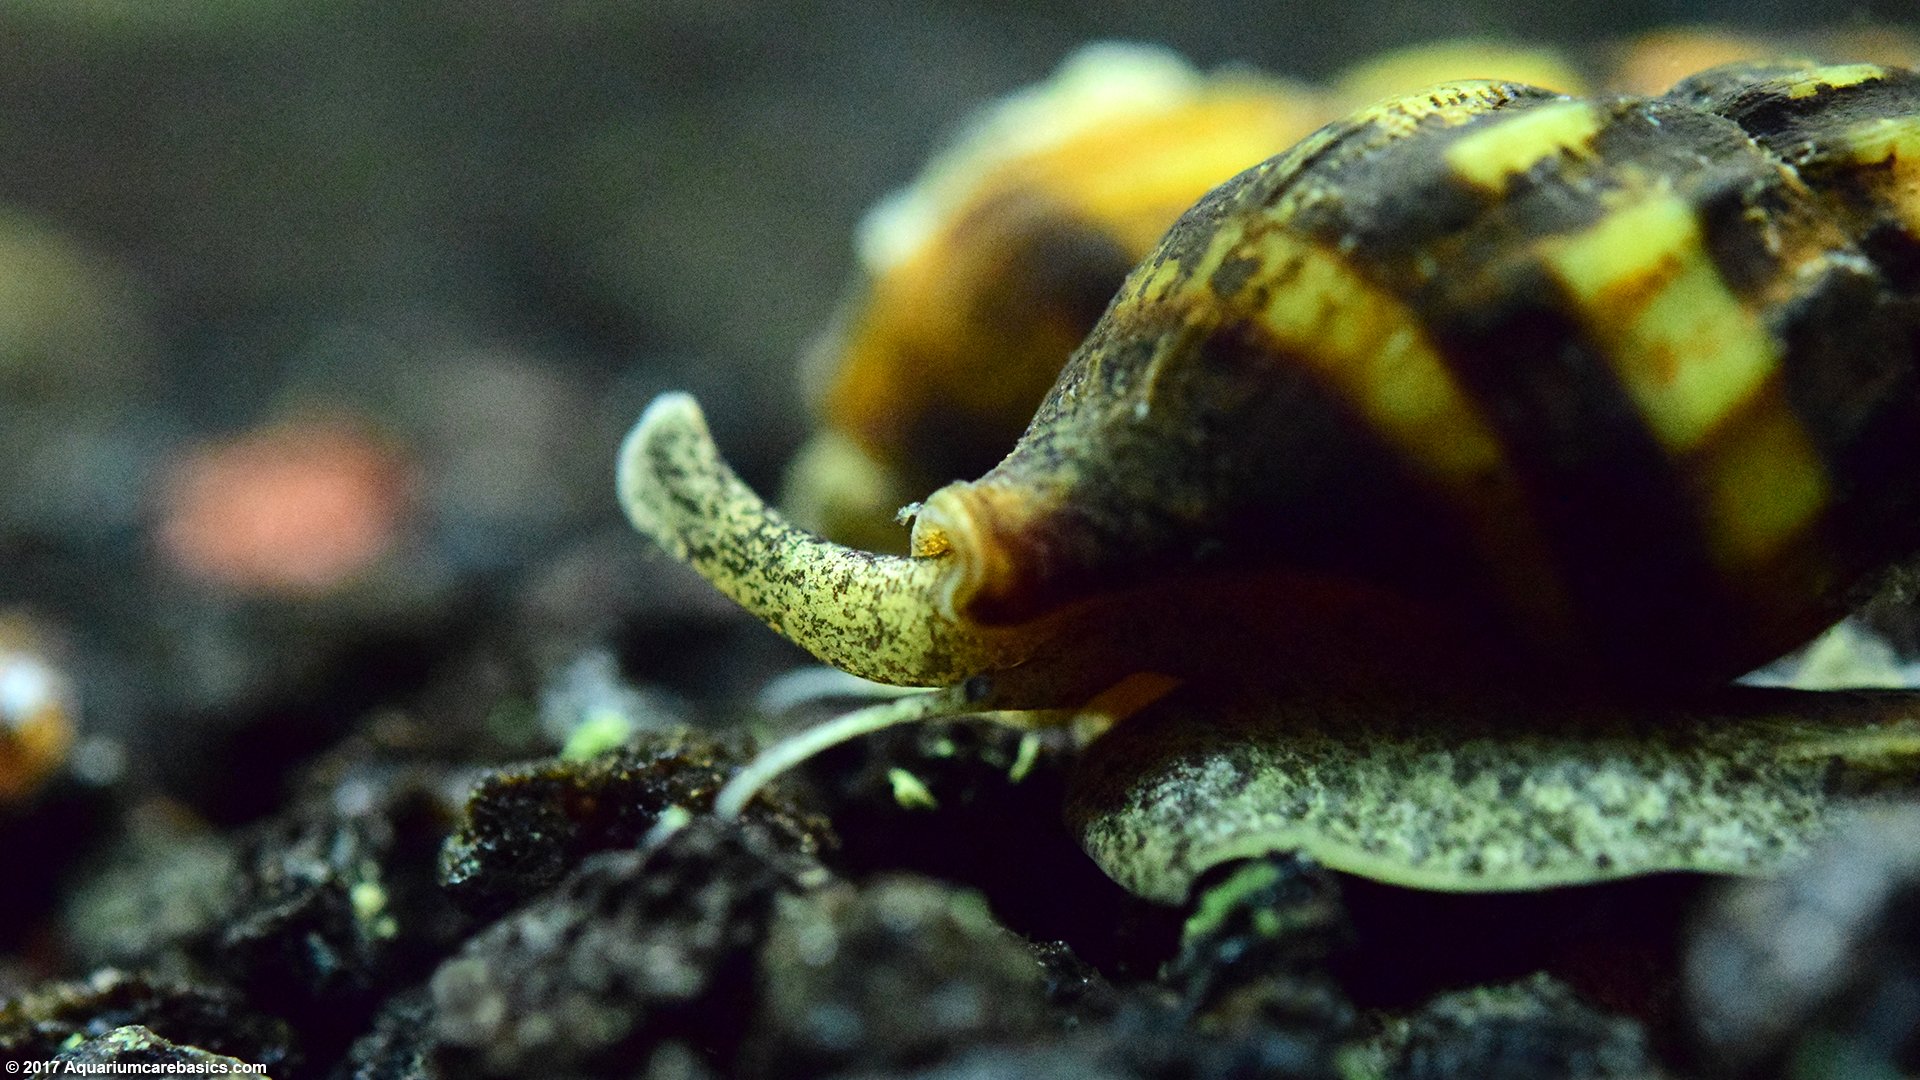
1483, 384
1619, 388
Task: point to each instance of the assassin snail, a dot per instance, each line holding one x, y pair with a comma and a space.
1609, 397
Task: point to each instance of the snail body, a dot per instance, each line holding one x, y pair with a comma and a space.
1483, 382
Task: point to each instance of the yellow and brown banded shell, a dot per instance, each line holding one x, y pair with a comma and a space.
1609, 391
1597, 382
978, 281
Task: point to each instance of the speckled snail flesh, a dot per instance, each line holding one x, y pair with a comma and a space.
1484, 388
1504, 796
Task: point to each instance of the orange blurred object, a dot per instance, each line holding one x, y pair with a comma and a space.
37, 709
296, 508
1654, 61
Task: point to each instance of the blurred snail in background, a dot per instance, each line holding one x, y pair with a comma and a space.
980, 278
1484, 389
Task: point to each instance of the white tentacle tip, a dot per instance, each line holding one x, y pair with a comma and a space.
671, 407
672, 417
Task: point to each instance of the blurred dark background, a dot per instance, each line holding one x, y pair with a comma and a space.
412, 266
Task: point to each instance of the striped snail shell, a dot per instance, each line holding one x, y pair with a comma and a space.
979, 279
1482, 382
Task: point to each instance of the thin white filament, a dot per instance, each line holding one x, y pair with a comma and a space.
776, 759
817, 683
